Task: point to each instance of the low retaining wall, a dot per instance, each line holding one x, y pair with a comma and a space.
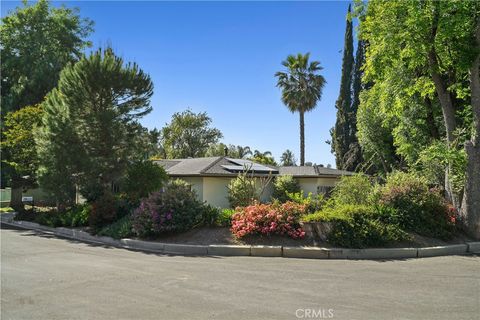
259, 251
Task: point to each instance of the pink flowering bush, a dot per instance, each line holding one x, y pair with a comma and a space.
269, 219
173, 209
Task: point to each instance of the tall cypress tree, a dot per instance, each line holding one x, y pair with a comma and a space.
341, 132
353, 156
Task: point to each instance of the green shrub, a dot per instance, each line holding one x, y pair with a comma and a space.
141, 179
335, 213
103, 211
122, 228
419, 208
173, 209
358, 226
77, 216
25, 215
210, 215
284, 185
242, 191
224, 219
51, 219
312, 203
354, 189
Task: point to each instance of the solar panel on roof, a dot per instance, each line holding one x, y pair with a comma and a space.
254, 167
233, 167
240, 161
244, 162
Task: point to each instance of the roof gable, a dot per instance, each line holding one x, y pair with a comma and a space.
190, 166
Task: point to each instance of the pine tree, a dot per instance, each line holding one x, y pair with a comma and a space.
89, 128
58, 149
341, 132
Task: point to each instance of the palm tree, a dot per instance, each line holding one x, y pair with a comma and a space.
242, 152
259, 154
288, 158
263, 157
301, 86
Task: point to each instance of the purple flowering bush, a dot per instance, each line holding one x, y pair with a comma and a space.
174, 209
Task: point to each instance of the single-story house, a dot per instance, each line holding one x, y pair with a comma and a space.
210, 176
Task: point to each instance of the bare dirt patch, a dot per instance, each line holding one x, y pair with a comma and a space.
212, 235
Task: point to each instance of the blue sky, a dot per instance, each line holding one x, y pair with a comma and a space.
221, 57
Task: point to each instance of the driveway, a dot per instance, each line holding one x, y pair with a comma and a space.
45, 277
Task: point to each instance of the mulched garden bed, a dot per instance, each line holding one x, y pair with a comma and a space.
212, 235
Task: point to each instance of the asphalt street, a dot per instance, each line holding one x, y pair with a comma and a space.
46, 277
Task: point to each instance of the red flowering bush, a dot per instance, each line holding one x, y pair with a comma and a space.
452, 214
268, 219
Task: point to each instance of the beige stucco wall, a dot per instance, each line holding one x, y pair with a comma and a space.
215, 191
308, 185
267, 193
327, 182
197, 185
311, 184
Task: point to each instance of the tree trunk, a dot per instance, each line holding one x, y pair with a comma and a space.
471, 199
432, 127
302, 138
446, 103
444, 97
16, 196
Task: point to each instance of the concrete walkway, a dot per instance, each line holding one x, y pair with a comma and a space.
44, 277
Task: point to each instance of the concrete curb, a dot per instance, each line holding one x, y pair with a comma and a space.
258, 251
442, 250
474, 247
186, 249
64, 232
266, 251
228, 250
305, 252
381, 253
142, 245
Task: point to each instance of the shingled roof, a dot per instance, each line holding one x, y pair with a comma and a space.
224, 166
312, 171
